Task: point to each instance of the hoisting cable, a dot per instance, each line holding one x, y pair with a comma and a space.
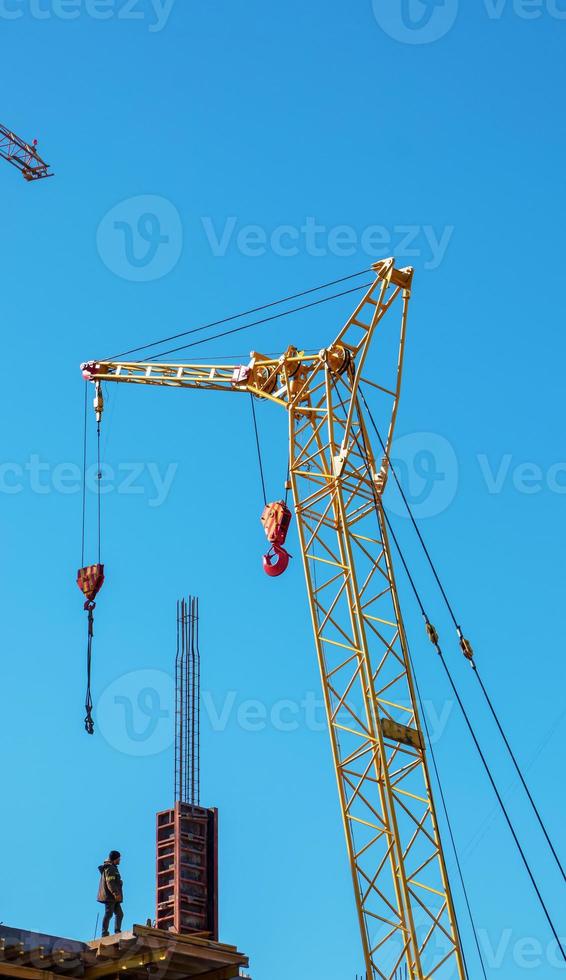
467, 650
236, 316
288, 482
258, 447
275, 518
98, 487
89, 722
90, 578
255, 323
364, 455
84, 478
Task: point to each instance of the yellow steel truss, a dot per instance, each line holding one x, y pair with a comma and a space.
403, 898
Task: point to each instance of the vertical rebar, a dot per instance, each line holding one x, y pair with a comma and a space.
197, 734
187, 703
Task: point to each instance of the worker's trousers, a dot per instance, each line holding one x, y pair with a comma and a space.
112, 908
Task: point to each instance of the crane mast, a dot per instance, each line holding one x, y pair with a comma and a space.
402, 892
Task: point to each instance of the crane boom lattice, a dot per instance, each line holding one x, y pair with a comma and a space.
21, 155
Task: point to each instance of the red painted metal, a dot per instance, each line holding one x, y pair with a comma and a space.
22, 156
187, 870
276, 519
90, 369
187, 835
241, 374
90, 581
276, 561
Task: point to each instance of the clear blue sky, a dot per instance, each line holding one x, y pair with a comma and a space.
443, 126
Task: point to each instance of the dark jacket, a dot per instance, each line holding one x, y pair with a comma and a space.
110, 887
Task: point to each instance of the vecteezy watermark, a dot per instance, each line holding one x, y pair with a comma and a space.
426, 21
288, 715
155, 13
428, 471
141, 238
525, 9
416, 21
318, 240
507, 950
43, 478
135, 713
521, 952
524, 477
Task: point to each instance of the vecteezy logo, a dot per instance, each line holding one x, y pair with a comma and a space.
427, 468
135, 713
415, 21
141, 238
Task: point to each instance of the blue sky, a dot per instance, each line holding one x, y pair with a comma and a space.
274, 147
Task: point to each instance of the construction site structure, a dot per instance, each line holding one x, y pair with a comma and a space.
402, 892
187, 870
137, 954
187, 834
21, 155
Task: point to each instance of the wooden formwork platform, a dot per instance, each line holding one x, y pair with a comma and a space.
142, 953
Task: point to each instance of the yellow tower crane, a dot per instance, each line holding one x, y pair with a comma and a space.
402, 892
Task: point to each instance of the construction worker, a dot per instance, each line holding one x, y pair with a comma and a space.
110, 892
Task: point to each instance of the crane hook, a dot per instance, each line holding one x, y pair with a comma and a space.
276, 561
276, 519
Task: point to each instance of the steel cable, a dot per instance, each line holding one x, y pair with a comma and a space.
236, 316
256, 323
364, 455
466, 646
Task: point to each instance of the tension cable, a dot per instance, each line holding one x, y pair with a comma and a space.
467, 649
237, 316
433, 636
365, 458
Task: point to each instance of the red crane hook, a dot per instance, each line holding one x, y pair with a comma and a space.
276, 560
276, 519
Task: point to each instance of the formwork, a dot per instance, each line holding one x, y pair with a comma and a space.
187, 870
135, 955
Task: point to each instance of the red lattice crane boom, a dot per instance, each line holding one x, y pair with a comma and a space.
21, 155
